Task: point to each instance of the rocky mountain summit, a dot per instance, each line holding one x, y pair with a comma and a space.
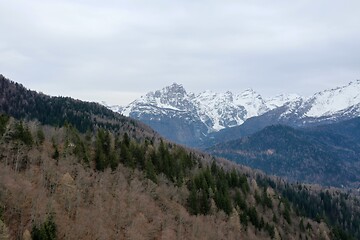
190, 118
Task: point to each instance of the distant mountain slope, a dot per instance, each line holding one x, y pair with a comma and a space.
349, 128
188, 118
314, 155
329, 106
202, 120
215, 110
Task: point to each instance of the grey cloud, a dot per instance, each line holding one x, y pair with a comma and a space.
115, 49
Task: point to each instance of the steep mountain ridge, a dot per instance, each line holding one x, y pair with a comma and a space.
203, 119
215, 110
171, 112
188, 118
281, 99
329, 102
223, 110
329, 106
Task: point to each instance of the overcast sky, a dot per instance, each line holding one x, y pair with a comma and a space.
116, 51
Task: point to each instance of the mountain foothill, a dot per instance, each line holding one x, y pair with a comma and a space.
71, 169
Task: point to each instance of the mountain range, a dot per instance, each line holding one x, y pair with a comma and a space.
313, 140
207, 118
326, 154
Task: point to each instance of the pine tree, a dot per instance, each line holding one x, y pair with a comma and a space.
126, 156
150, 171
126, 140
46, 231
23, 134
244, 219
56, 153
253, 217
100, 150
4, 119
240, 201
287, 215
193, 201
266, 200
40, 136
204, 202
301, 225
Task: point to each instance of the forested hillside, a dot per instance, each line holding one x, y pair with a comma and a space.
58, 183
120, 180
22, 103
327, 155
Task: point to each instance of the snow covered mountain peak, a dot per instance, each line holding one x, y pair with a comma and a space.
332, 101
215, 110
356, 82
173, 97
189, 118
173, 90
249, 92
281, 99
248, 95
210, 96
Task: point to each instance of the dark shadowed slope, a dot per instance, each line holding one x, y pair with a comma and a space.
22, 103
316, 155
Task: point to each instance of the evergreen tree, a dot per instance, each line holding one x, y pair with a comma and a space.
40, 136
240, 201
126, 155
244, 219
266, 200
150, 171
104, 152
271, 230
193, 202
301, 225
46, 231
204, 202
23, 134
253, 217
286, 214
56, 153
126, 140
4, 119
99, 158
102, 149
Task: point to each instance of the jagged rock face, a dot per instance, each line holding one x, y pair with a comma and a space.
328, 106
190, 119
226, 110
171, 112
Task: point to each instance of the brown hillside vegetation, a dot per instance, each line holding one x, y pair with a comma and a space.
76, 170
121, 203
